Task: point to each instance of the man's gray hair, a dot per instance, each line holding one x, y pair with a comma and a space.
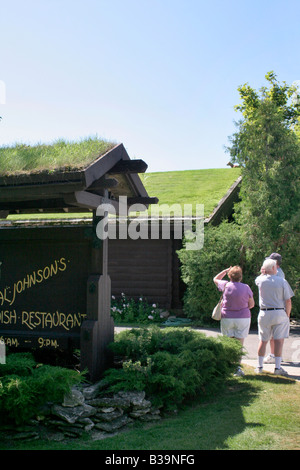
269, 264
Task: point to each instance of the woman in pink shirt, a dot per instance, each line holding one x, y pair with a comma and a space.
236, 305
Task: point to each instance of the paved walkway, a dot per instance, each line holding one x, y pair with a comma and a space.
291, 350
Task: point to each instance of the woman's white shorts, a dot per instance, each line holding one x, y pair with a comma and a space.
235, 327
273, 323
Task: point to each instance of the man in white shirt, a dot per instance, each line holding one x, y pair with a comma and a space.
274, 317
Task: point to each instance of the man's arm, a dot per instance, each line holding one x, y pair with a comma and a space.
288, 307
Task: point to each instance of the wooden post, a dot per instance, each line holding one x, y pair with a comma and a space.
97, 331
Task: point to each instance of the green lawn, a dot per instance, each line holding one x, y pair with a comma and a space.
252, 413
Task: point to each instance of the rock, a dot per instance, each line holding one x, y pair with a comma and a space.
138, 413
114, 425
87, 423
85, 411
107, 417
61, 424
72, 431
92, 391
134, 398
114, 402
74, 398
107, 410
72, 414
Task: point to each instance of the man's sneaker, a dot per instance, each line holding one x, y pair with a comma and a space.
259, 370
269, 359
280, 371
239, 372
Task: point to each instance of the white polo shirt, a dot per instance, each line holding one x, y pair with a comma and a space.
273, 291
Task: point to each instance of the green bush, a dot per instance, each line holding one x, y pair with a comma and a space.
18, 364
172, 364
26, 386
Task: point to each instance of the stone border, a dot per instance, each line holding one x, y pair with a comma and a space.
84, 410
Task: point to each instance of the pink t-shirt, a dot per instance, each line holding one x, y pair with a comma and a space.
235, 299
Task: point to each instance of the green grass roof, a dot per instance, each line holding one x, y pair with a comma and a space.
60, 155
176, 188
205, 187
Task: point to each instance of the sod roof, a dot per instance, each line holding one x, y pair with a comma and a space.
48, 158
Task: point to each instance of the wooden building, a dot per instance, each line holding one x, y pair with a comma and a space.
55, 288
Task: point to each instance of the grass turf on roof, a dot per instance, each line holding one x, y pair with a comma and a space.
193, 187
58, 156
205, 187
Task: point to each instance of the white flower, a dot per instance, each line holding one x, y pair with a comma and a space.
154, 305
150, 317
141, 299
113, 297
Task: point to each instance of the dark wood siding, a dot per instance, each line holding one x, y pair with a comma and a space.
141, 268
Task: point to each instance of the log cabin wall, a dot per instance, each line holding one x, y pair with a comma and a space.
142, 268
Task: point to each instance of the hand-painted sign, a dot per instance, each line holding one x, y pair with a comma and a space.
43, 293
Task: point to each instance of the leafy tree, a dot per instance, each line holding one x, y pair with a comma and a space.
267, 147
267, 219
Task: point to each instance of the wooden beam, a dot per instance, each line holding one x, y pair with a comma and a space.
142, 200
129, 166
103, 164
88, 200
103, 183
84, 199
37, 191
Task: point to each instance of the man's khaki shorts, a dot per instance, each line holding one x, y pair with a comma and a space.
273, 323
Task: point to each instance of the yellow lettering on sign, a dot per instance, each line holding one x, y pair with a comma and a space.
48, 320
9, 294
10, 341
47, 342
8, 317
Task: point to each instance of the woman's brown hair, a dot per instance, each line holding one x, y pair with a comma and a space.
235, 274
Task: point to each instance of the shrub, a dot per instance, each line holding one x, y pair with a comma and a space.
173, 364
18, 364
26, 386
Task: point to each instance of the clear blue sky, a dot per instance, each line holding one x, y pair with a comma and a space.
160, 76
